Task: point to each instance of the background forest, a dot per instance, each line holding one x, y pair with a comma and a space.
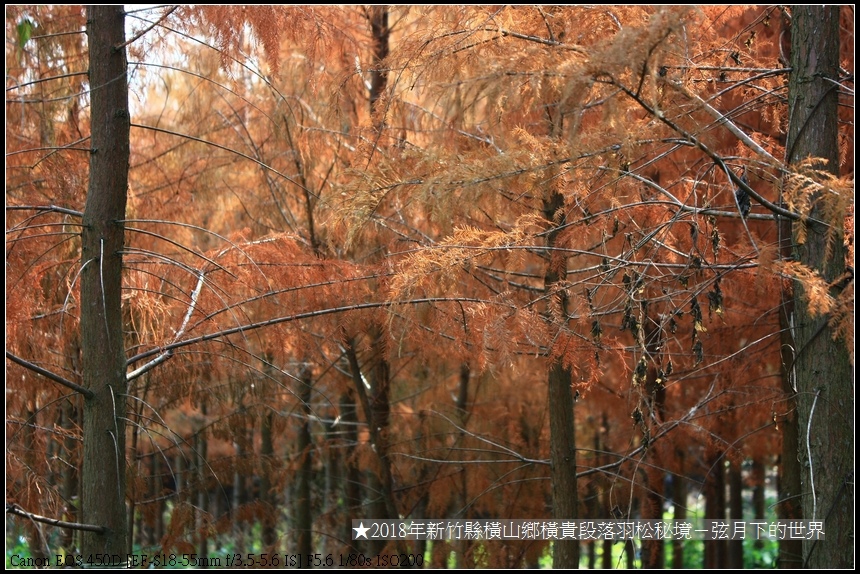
272, 268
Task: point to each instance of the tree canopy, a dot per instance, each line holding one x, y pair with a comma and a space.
416, 261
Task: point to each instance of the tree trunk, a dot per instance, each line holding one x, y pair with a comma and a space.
377, 17
462, 547
605, 500
736, 512
825, 393
104, 361
304, 474
679, 501
788, 508
268, 496
352, 480
70, 475
653, 551
560, 403
238, 492
201, 448
759, 482
37, 543
715, 509
377, 409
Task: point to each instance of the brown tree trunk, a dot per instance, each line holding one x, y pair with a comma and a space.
104, 360
70, 470
378, 19
759, 482
156, 530
268, 494
788, 481
375, 404
736, 512
788, 484
37, 542
352, 480
653, 551
238, 493
304, 448
201, 447
679, 500
824, 376
605, 503
560, 400
462, 547
715, 509
334, 480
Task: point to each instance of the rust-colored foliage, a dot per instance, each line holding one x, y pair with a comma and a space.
280, 217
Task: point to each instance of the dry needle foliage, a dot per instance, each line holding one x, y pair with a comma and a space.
344, 219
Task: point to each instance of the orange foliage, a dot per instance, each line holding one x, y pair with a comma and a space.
274, 217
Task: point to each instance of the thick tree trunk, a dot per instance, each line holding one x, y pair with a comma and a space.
825, 387
104, 360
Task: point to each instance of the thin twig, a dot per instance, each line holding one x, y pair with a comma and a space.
145, 30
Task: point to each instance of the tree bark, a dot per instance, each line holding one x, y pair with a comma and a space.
788, 506
825, 394
679, 501
653, 552
304, 474
560, 405
201, 455
736, 512
715, 509
104, 361
268, 492
352, 479
758, 479
377, 17
377, 408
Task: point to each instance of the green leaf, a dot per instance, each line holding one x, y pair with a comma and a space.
25, 30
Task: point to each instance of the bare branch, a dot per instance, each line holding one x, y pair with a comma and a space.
48, 374
16, 510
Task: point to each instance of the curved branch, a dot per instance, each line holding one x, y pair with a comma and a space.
229, 150
715, 157
145, 30
296, 317
724, 121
